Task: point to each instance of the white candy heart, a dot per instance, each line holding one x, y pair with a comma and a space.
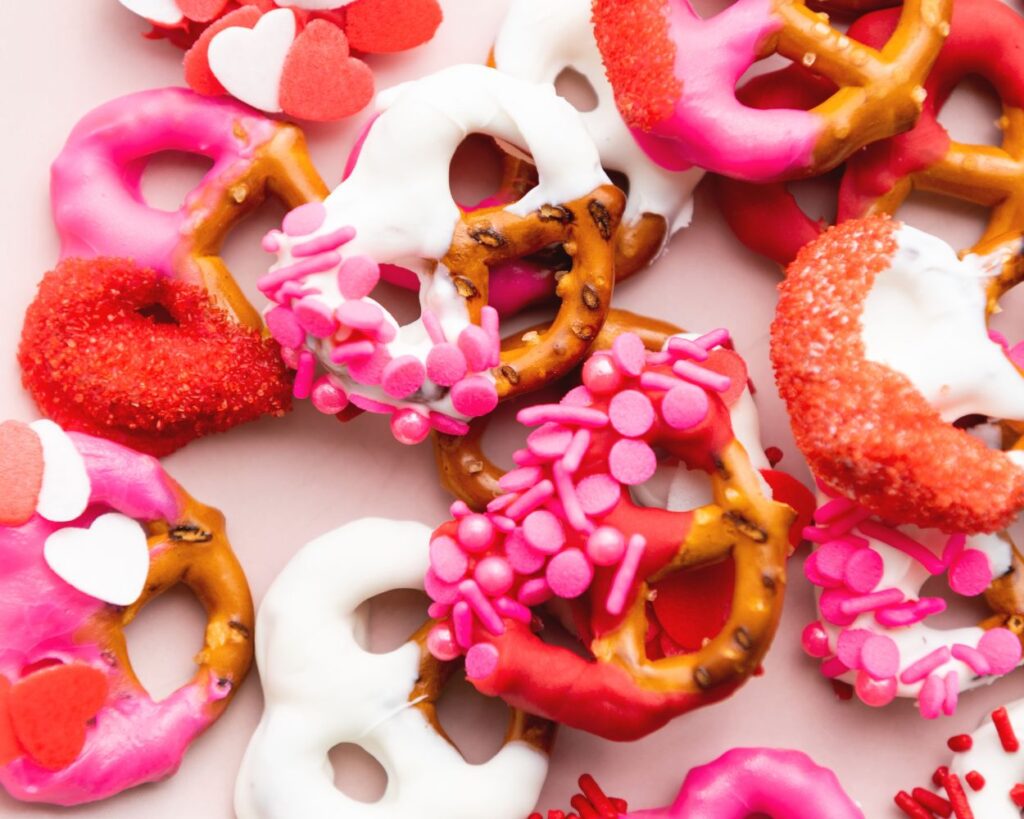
164, 12
66, 488
108, 561
249, 62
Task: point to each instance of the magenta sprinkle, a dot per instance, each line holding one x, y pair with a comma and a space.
514, 610
303, 385
629, 353
658, 381
371, 405
685, 348
459, 509
358, 276
503, 524
714, 338
626, 574
562, 414
549, 441
835, 508
952, 686
438, 610
329, 241
931, 697
534, 592
631, 413
518, 480
954, 546
916, 672
972, 658
433, 327
577, 449
447, 425
304, 219
462, 618
530, 500
478, 601
315, 264
907, 545
696, 374
489, 321
862, 603
352, 351
570, 500
833, 667
911, 612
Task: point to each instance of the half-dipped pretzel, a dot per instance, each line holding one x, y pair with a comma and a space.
879, 344
678, 91
322, 688
566, 526
396, 208
743, 782
140, 334
95, 533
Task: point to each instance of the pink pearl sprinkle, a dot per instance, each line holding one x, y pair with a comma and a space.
523, 557
1001, 648
285, 328
328, 398
446, 365
600, 375
569, 573
598, 494
631, 413
315, 317
409, 426
544, 532
606, 546
476, 347
402, 376
814, 640
357, 277
360, 315
549, 441
632, 462
481, 661
476, 533
447, 559
970, 573
474, 396
629, 353
304, 219
271, 241
875, 693
880, 657
494, 575
459, 509
863, 571
684, 406
441, 644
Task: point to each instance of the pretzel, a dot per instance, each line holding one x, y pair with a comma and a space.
685, 112
141, 334
97, 533
742, 782
566, 526
396, 209
321, 688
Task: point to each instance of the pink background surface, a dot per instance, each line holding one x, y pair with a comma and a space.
282, 482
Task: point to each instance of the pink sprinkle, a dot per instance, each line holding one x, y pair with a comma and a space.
328, 397
549, 441
814, 640
476, 533
600, 375
658, 381
494, 575
357, 277
523, 457
831, 605
329, 241
490, 323
462, 619
531, 499
402, 376
626, 574
875, 693
713, 339
360, 315
438, 610
629, 353
911, 612
303, 385
970, 573
409, 426
812, 573
859, 604
516, 611
432, 325
841, 526
315, 317
476, 347
307, 267
578, 397
598, 494
368, 404
684, 406
370, 370
447, 560
518, 480
570, 500
271, 241
830, 510
446, 365
459, 509
907, 545
577, 449
833, 557
285, 328
523, 558
534, 592
863, 571
832, 668
448, 425
916, 672
631, 413
850, 646
474, 396
304, 219
685, 348
352, 351
439, 591
544, 532
481, 606
441, 643
973, 659
932, 697
503, 524
560, 413
657, 359
880, 657
500, 502
1001, 648
569, 573
696, 374
294, 290
952, 686
954, 546
481, 661
632, 462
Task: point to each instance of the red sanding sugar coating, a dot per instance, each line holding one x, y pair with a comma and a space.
117, 351
863, 427
645, 82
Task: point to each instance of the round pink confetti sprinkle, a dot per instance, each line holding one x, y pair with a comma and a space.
631, 413
814, 640
446, 364
549, 441
1001, 648
629, 353
476, 347
304, 219
578, 397
880, 657
370, 370
476, 533
684, 406
632, 462
360, 315
402, 376
328, 398
523, 557
494, 575
830, 604
598, 493
569, 573
474, 396
481, 661
447, 560
441, 643
544, 532
833, 557
863, 571
315, 318
409, 426
285, 328
439, 591
600, 375
875, 693
850, 646
357, 277
606, 546
970, 573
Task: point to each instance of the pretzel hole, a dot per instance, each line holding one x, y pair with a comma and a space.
242, 251
475, 171
619, 180
960, 611
972, 112
402, 302
818, 196
389, 619
689, 608
1010, 319
709, 8
955, 221
168, 177
557, 629
357, 773
161, 641
474, 723
577, 90
673, 481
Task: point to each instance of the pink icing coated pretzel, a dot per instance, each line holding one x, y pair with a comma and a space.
52, 630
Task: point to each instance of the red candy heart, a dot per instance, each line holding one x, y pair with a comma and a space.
320, 81
49, 710
386, 26
10, 748
729, 363
202, 11
21, 472
197, 64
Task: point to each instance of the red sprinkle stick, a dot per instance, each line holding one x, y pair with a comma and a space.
1005, 730
960, 743
906, 803
957, 798
975, 780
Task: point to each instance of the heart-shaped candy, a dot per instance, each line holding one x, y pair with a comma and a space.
198, 75
50, 708
10, 748
387, 26
202, 11
162, 12
249, 62
21, 472
314, 5
321, 81
66, 487
108, 561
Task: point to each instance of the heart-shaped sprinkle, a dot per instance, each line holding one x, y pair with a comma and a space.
21, 472
66, 488
162, 12
320, 80
202, 11
387, 26
50, 708
249, 63
108, 561
198, 75
10, 748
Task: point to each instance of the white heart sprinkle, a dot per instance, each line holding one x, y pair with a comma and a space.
249, 62
66, 488
108, 561
163, 12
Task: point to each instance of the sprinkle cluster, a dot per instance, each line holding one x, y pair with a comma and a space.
850, 572
355, 337
543, 537
590, 803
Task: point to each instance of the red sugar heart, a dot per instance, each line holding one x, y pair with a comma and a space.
21, 472
320, 81
695, 604
10, 748
197, 64
49, 710
386, 26
728, 363
202, 11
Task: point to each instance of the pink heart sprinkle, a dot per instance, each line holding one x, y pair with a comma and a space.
360, 315
543, 531
447, 560
315, 318
632, 462
402, 376
285, 328
569, 573
474, 396
446, 364
1001, 648
357, 277
476, 347
598, 493
970, 574
631, 413
304, 219
684, 406
880, 657
629, 353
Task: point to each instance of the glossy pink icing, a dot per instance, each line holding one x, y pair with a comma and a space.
134, 739
709, 127
95, 183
